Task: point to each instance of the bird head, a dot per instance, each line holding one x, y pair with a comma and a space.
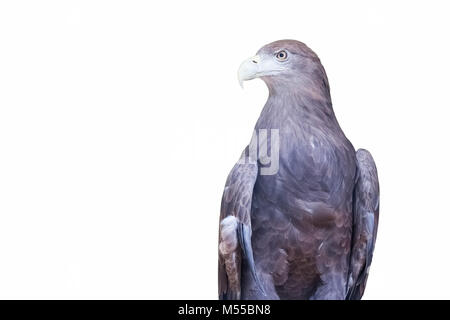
280, 63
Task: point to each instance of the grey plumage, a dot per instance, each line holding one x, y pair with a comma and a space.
308, 231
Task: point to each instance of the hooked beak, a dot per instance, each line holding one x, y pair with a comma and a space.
249, 69
258, 66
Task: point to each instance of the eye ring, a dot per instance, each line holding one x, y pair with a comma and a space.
281, 55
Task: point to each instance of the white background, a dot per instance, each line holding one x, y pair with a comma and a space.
120, 120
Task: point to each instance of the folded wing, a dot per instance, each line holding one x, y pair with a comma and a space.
365, 223
235, 228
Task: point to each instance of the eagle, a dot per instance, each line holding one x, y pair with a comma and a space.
305, 227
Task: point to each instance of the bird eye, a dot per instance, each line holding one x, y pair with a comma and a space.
281, 56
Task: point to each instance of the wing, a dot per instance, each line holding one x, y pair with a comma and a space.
365, 223
235, 228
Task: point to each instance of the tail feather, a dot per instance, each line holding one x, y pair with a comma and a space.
244, 236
